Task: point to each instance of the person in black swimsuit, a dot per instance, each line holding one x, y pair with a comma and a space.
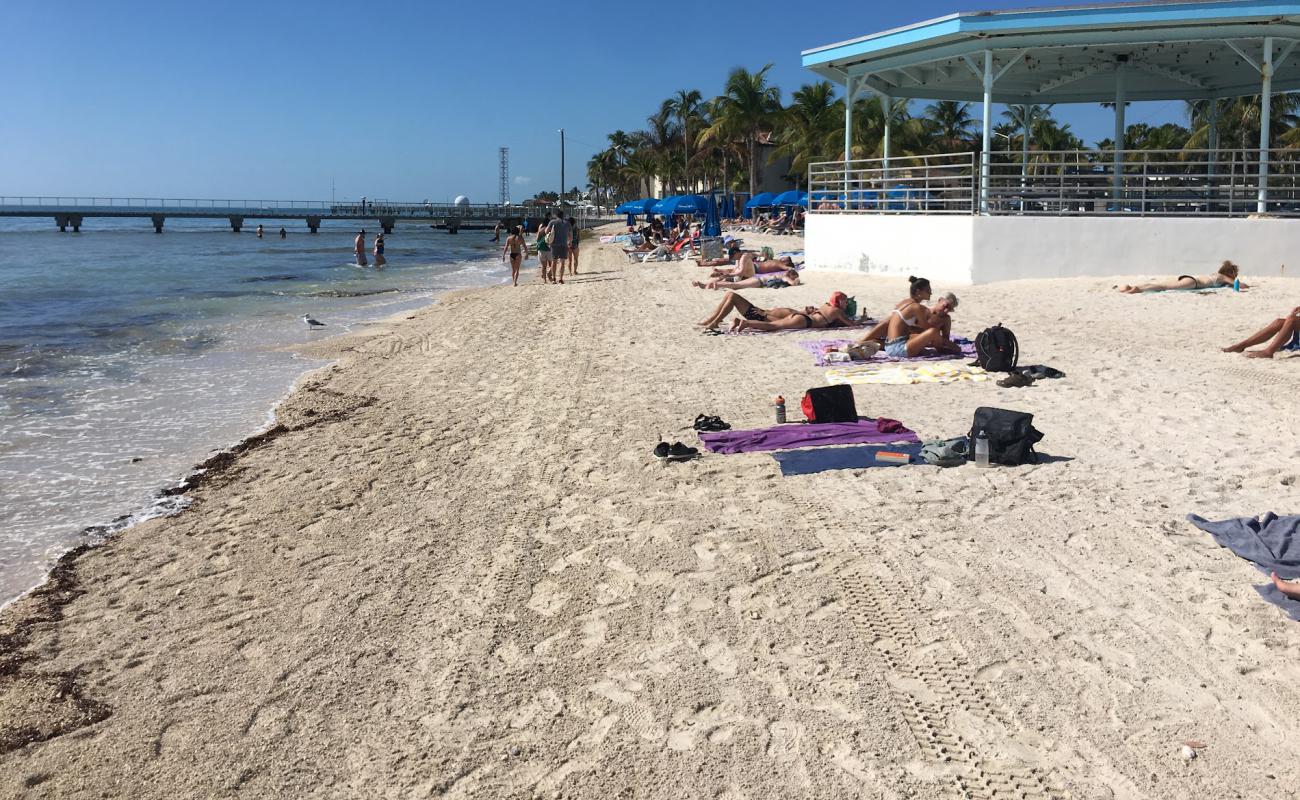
517, 250
829, 315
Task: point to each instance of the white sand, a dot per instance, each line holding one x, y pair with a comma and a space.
460, 573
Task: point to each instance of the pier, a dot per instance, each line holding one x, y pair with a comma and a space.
71, 212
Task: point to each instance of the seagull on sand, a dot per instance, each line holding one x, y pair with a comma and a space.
312, 323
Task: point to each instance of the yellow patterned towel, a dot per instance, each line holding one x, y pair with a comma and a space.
902, 374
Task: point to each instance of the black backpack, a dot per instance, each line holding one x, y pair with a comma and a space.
1011, 435
996, 349
830, 404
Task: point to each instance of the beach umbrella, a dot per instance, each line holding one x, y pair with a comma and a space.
790, 198
641, 206
681, 204
760, 200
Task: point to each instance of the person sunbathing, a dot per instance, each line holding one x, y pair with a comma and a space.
828, 315
1282, 333
912, 329
749, 266
1287, 586
919, 291
733, 253
1224, 277
788, 278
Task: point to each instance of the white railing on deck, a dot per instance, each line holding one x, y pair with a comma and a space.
1223, 183
931, 184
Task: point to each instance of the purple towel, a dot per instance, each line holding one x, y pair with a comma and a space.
817, 349
792, 435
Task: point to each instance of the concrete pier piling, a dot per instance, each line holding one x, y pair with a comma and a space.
313, 224
158, 220
65, 221
387, 224
236, 224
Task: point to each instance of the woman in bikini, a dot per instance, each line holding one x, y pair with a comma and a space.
911, 327
779, 281
1282, 333
517, 251
828, 315
749, 266
1224, 277
919, 291
544, 255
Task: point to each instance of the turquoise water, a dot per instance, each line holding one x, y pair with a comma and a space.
126, 356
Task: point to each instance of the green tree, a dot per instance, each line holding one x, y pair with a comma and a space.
744, 112
809, 127
687, 106
951, 125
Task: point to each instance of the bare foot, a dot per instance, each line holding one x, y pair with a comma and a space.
1236, 348
737, 324
1258, 354
698, 285
1289, 588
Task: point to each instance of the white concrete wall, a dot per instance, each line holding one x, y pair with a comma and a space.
1008, 248
936, 247
969, 249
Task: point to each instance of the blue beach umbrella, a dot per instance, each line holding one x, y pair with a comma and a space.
641, 206
681, 204
760, 200
790, 198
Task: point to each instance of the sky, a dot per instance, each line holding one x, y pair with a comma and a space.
398, 101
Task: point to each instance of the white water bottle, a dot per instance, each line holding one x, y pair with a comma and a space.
981, 449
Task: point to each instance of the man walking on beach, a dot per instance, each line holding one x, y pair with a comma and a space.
359, 247
558, 236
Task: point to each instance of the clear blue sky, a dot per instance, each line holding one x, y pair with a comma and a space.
402, 100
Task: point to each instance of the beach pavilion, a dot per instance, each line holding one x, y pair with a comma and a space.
996, 215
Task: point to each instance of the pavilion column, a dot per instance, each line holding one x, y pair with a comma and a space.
987, 152
1121, 100
887, 103
850, 89
1265, 123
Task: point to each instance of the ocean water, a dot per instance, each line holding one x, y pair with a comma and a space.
126, 357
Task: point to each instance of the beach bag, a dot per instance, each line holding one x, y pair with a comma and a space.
946, 452
830, 404
996, 349
1011, 435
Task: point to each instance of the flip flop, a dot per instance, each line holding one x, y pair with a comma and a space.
710, 424
1016, 380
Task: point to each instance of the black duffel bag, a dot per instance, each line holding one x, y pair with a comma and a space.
830, 404
1011, 435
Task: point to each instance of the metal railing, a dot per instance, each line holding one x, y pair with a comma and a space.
929, 184
1222, 183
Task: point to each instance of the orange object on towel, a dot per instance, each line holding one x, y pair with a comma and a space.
890, 457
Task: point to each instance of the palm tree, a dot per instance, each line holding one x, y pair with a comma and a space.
809, 126
951, 122
686, 106
1027, 117
744, 111
640, 168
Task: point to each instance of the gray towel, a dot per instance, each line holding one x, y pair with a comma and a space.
1269, 542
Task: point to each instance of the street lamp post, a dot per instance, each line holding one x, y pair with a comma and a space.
561, 166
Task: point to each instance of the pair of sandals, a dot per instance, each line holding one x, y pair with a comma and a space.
1025, 376
675, 452
710, 424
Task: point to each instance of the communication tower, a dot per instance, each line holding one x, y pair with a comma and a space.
505, 175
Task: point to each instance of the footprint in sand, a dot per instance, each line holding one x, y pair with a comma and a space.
547, 598
719, 657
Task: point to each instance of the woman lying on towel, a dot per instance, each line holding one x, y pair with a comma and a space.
1224, 277
1282, 333
749, 266
779, 281
828, 315
911, 327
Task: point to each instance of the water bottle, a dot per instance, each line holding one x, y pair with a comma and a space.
780, 410
1236, 284
981, 449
